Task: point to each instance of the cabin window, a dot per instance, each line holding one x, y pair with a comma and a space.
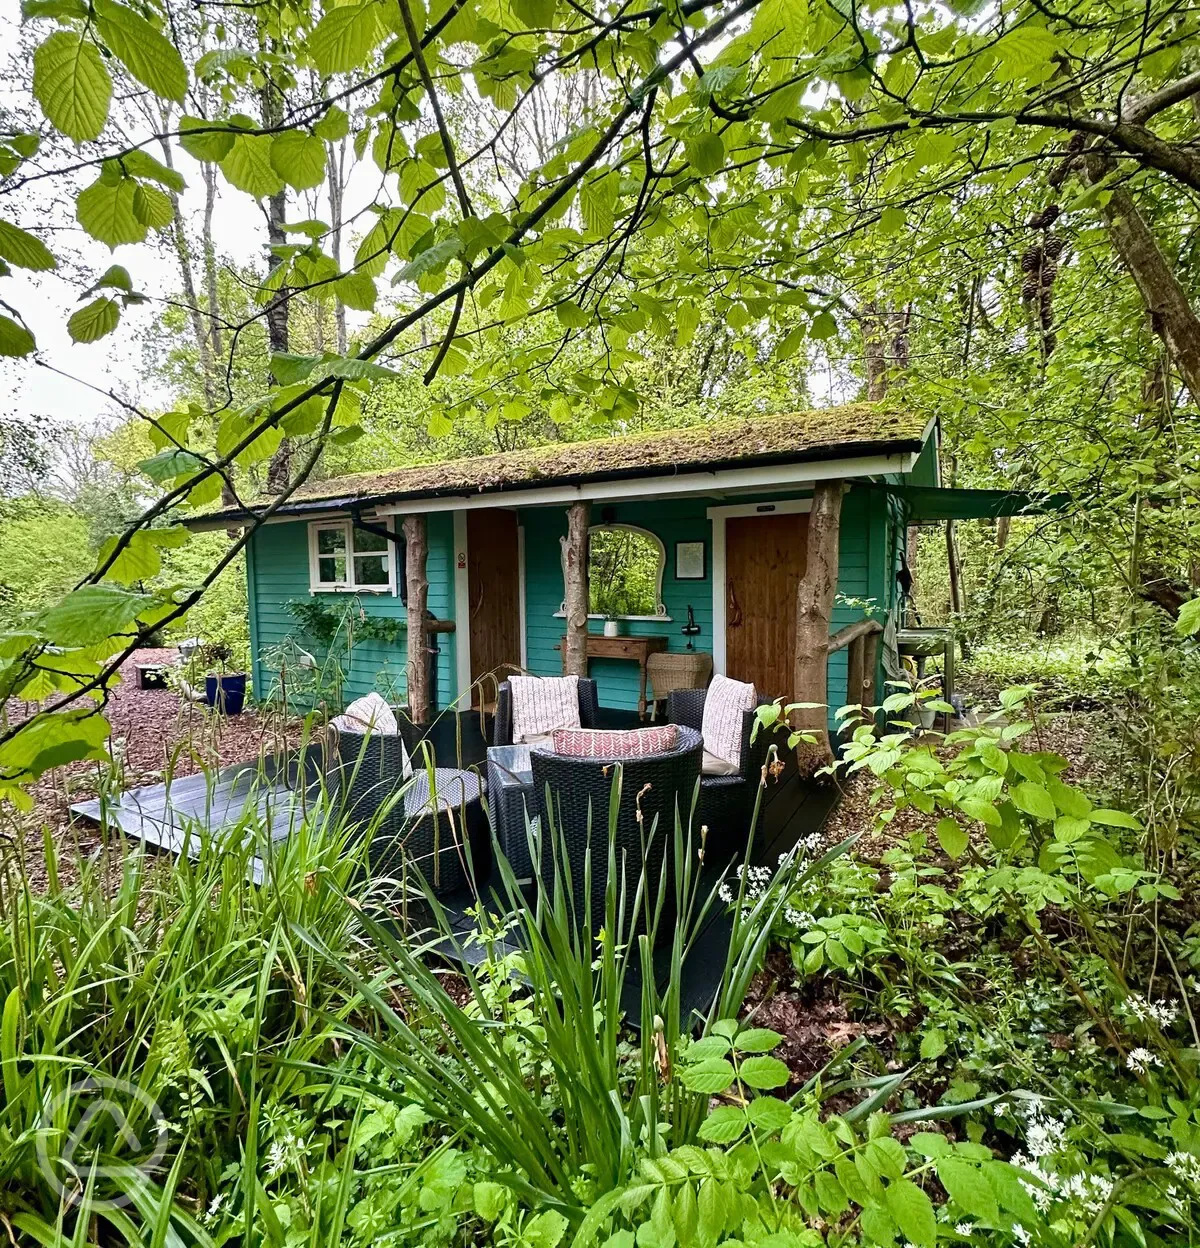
345, 558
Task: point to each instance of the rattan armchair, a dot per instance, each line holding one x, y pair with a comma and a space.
589, 710
726, 802
574, 795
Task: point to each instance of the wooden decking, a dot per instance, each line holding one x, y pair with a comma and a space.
275, 793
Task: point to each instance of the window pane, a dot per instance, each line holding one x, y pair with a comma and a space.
368, 541
331, 570
331, 541
623, 571
370, 570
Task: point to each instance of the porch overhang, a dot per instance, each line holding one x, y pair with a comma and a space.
935, 504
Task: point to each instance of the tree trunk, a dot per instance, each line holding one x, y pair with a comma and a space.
280, 469
415, 547
814, 611
575, 560
1171, 314
336, 164
875, 363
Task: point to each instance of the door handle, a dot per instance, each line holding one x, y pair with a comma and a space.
733, 612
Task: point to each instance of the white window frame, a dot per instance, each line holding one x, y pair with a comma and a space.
346, 527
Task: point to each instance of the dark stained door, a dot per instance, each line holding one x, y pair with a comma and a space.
494, 588
764, 561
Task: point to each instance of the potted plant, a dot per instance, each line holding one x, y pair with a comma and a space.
612, 624
224, 689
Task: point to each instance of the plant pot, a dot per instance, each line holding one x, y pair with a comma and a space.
226, 694
612, 628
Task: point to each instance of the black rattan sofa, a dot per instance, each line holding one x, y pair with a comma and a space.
579, 792
439, 838
726, 802
589, 710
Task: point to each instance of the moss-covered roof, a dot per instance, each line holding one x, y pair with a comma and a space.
853, 430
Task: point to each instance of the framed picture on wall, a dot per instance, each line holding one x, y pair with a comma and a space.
690, 561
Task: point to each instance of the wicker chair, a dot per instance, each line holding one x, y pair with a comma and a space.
579, 792
726, 802
589, 710
367, 771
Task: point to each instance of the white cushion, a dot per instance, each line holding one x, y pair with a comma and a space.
540, 704
724, 705
714, 766
372, 714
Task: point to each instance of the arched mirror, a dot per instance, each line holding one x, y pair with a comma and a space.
625, 571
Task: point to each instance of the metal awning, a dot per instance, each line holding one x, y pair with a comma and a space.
928, 504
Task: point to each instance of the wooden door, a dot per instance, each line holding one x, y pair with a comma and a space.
494, 588
764, 561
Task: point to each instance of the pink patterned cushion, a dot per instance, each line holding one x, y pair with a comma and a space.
724, 705
600, 743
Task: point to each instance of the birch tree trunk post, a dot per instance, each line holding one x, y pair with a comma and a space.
575, 562
417, 583
814, 611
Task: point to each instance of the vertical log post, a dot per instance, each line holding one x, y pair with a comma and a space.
814, 610
575, 561
871, 670
854, 678
416, 545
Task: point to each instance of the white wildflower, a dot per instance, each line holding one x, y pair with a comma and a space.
1020, 1234
725, 893
963, 1228
1001, 1108
1141, 1060
1161, 1012
1185, 1167
215, 1206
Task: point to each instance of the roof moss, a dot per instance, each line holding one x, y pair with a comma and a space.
856, 429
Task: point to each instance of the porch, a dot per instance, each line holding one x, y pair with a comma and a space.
269, 798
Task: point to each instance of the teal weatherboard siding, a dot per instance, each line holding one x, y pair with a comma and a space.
278, 570
871, 538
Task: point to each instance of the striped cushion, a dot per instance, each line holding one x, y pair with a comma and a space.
600, 743
540, 704
724, 705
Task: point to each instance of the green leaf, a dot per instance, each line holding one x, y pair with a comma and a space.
756, 1040
151, 206
356, 290
913, 1211
571, 315
15, 339
1116, 819
1033, 800
933, 1044
710, 1077
705, 152
115, 277
299, 159
769, 1113
72, 85
288, 368
105, 210
203, 142
145, 51
1188, 622
984, 812
968, 1188
1025, 53
597, 203
23, 249
141, 164
763, 1072
248, 166
335, 125
723, 1125
343, 38
952, 838
94, 320
782, 25
823, 326
91, 614
47, 741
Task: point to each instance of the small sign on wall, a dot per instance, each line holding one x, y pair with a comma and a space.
462, 560
689, 561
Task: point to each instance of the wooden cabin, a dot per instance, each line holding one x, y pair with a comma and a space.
753, 541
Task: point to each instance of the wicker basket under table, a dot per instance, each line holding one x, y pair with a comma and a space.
684, 670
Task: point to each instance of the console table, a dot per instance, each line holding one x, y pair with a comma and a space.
638, 649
